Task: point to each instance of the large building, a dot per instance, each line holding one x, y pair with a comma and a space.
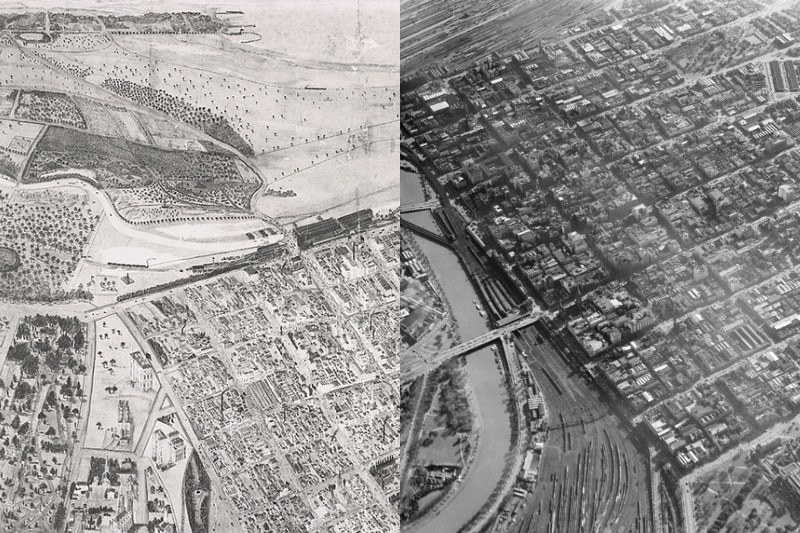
141, 372
124, 422
169, 448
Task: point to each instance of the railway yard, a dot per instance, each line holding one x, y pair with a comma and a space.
591, 477
631, 168
441, 33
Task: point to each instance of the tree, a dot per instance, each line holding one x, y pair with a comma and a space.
60, 517
18, 352
15, 423
64, 342
22, 391
79, 340
51, 400
53, 360
23, 429
30, 365
43, 346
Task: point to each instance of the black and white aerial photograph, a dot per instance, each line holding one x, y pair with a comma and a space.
600, 249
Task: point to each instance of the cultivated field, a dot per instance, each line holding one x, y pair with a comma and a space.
49, 231
199, 178
16, 139
49, 107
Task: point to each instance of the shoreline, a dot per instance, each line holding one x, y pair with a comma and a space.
475, 437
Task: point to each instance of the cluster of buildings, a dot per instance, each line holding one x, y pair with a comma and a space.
168, 448
562, 197
608, 315
767, 384
287, 371
656, 210
776, 305
104, 504
697, 424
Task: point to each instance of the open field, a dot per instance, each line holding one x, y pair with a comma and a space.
162, 245
7, 99
367, 171
16, 139
290, 104
24, 69
112, 384
106, 283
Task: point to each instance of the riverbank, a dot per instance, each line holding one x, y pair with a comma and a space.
494, 425
446, 495
427, 397
409, 194
433, 284
492, 428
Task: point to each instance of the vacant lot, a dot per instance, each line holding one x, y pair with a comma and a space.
112, 384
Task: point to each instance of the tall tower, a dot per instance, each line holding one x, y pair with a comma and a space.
357, 240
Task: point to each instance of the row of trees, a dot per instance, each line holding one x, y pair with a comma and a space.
453, 403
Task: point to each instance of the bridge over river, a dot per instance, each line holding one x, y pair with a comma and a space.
421, 206
411, 371
428, 234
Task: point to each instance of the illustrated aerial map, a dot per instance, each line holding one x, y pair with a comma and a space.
600, 298
400, 266
199, 266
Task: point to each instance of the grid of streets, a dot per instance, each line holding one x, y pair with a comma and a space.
640, 176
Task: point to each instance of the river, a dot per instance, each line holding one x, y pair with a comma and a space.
411, 192
486, 380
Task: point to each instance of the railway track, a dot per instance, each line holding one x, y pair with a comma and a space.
591, 478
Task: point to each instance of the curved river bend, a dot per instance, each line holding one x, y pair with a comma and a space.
485, 377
